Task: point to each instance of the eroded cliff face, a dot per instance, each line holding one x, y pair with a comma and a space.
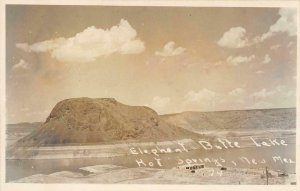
88, 120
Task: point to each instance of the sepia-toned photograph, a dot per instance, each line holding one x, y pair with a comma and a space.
168, 95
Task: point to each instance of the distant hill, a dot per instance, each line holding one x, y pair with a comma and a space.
235, 120
87, 120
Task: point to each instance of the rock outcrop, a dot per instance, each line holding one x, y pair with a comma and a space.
88, 120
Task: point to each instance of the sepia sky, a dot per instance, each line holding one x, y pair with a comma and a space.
171, 59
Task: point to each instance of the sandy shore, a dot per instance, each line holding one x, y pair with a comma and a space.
111, 174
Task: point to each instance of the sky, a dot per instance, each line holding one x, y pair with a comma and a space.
172, 59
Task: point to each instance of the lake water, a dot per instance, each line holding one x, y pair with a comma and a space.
16, 169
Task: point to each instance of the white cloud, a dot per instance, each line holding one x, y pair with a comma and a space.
287, 23
263, 37
275, 47
263, 94
218, 63
206, 100
234, 99
44, 46
262, 99
267, 59
23, 46
238, 98
234, 38
203, 97
90, 44
279, 91
239, 59
159, 103
22, 64
237, 92
279, 96
170, 50
259, 72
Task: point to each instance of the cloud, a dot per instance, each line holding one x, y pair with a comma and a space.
170, 50
263, 98
234, 38
237, 92
22, 64
267, 59
237, 98
262, 94
234, 99
44, 46
218, 63
279, 91
259, 72
206, 98
23, 46
275, 47
279, 96
90, 44
261, 38
159, 103
287, 23
239, 59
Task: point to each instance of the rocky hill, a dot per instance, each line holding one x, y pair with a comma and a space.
87, 120
259, 119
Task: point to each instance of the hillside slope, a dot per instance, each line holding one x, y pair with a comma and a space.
87, 120
235, 120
